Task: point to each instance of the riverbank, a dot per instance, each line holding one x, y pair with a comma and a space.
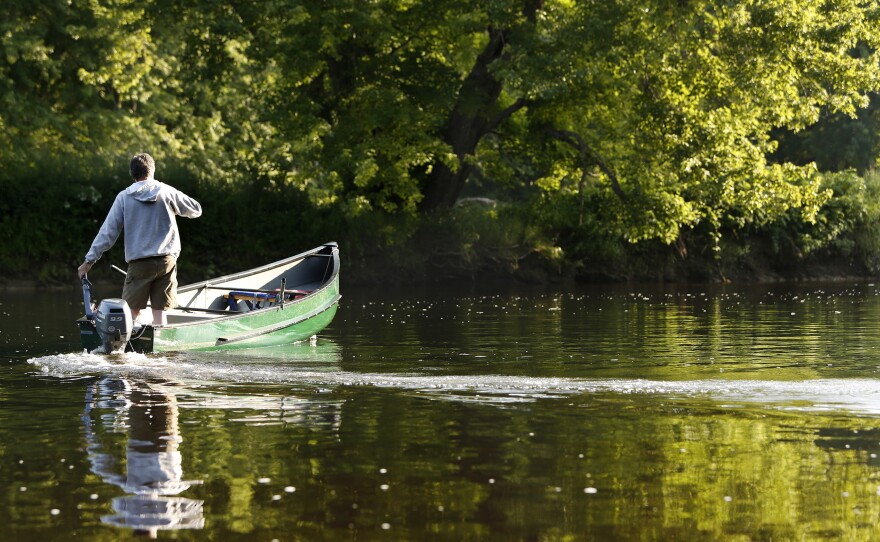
663, 266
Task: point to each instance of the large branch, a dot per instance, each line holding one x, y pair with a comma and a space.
587, 154
505, 114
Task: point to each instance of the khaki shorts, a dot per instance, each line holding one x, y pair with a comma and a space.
153, 279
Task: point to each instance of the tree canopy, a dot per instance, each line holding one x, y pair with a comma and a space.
663, 110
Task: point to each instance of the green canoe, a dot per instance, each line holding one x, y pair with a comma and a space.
282, 302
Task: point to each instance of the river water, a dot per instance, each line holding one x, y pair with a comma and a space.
580, 413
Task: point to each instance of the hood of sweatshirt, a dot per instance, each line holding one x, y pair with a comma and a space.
146, 191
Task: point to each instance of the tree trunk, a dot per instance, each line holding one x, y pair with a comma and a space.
475, 114
468, 123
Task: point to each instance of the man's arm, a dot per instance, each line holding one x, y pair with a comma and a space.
107, 236
185, 206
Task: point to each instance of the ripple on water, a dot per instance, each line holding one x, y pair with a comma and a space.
856, 395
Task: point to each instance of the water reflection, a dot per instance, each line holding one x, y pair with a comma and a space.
661, 415
151, 471
662, 333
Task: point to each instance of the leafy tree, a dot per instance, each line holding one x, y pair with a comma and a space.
659, 112
393, 105
672, 104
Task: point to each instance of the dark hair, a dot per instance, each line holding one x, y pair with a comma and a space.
142, 167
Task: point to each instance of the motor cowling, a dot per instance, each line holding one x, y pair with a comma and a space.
114, 324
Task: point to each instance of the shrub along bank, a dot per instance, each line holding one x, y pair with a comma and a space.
50, 217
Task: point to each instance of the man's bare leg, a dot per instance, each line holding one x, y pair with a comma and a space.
159, 318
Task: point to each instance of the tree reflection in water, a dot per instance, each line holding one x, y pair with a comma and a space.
149, 468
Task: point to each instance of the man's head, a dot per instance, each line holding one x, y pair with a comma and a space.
142, 167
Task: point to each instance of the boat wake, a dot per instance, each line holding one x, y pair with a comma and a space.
88, 364
308, 370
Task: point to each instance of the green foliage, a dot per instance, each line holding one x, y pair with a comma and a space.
836, 143
849, 224
51, 215
645, 120
679, 100
843, 235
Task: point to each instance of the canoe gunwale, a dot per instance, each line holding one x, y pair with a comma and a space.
223, 316
268, 267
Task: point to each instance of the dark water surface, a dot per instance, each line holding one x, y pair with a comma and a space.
605, 413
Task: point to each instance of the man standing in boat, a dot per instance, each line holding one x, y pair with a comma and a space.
147, 211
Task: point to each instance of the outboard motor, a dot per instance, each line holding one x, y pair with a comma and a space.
111, 322
114, 324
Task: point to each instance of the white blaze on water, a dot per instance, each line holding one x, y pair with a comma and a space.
857, 395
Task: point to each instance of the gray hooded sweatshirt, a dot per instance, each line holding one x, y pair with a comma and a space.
147, 211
